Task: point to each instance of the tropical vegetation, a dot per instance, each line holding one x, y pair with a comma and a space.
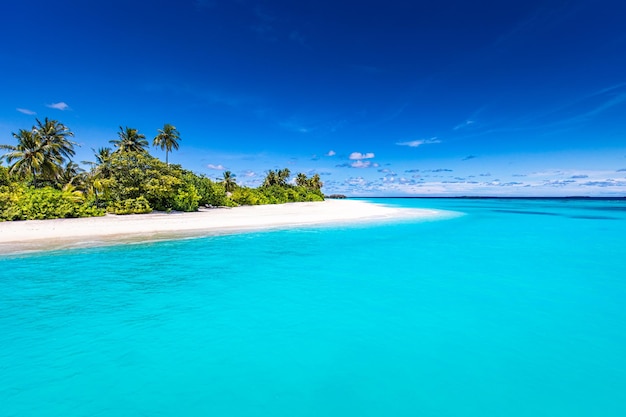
42, 181
167, 139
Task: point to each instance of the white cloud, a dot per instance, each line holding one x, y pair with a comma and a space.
359, 155
59, 106
361, 164
419, 142
547, 182
26, 111
331, 153
356, 181
219, 167
464, 124
249, 174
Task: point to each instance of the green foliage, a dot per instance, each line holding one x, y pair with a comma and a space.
133, 175
160, 189
9, 198
307, 194
130, 206
130, 140
138, 175
276, 190
187, 198
274, 194
229, 182
40, 152
314, 183
127, 180
28, 203
211, 193
167, 139
5, 178
244, 196
71, 175
278, 177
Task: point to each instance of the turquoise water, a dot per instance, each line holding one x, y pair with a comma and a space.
514, 309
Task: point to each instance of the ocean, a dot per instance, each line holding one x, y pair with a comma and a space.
516, 307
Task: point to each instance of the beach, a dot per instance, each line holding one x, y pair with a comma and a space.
38, 235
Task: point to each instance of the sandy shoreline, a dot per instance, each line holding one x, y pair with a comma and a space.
38, 235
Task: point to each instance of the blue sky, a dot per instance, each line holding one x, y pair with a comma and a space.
390, 97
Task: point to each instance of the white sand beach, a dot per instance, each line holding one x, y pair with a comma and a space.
38, 235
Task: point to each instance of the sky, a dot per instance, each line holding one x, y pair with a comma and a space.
381, 98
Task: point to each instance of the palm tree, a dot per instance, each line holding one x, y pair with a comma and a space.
270, 179
130, 140
302, 180
100, 170
315, 182
72, 175
282, 175
29, 155
103, 155
229, 181
167, 139
54, 136
103, 162
102, 167
41, 151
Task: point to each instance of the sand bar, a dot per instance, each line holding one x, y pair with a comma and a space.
38, 235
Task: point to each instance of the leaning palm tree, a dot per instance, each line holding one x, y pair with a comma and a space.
28, 157
130, 140
229, 181
167, 139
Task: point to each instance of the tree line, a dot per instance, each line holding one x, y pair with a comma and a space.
43, 181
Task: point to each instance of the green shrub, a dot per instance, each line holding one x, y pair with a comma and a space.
4, 176
27, 203
130, 206
279, 194
187, 198
210, 192
244, 196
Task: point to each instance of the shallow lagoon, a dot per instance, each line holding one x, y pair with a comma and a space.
515, 308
